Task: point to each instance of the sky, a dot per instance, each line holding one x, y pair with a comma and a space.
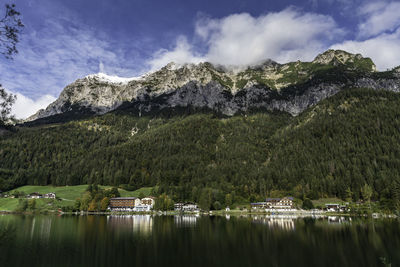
65, 40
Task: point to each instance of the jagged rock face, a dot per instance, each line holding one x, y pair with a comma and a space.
290, 87
339, 57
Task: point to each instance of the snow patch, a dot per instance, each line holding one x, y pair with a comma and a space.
113, 79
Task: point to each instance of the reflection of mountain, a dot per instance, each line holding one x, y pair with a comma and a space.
186, 220
285, 222
134, 223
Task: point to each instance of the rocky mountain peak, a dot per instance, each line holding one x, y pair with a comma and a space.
340, 57
290, 87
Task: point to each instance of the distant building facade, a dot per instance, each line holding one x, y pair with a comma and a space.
186, 207
50, 195
285, 203
131, 204
35, 195
335, 207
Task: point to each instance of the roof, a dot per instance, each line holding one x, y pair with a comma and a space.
278, 199
273, 199
123, 198
184, 204
258, 203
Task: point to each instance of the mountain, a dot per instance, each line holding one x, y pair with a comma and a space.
309, 129
330, 150
290, 87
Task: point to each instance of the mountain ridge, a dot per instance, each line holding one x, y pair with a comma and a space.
290, 87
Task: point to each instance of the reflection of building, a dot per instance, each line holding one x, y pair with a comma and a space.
277, 221
186, 220
285, 203
186, 207
131, 204
135, 223
337, 219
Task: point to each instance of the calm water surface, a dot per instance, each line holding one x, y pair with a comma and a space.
145, 240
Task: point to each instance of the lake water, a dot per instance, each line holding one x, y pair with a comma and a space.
145, 240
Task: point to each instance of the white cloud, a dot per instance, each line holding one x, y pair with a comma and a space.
289, 35
182, 53
63, 50
379, 34
241, 39
283, 36
379, 17
25, 106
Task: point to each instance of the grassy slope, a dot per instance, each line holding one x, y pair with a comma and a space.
68, 194
8, 204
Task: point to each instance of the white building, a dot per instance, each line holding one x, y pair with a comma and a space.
50, 195
186, 207
131, 204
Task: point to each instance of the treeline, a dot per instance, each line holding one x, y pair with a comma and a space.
331, 150
94, 199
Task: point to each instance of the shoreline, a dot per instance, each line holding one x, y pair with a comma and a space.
299, 213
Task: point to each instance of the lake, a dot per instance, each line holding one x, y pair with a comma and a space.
146, 240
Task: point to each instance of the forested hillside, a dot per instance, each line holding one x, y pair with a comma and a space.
332, 149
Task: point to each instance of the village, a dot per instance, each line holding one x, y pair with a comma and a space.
34, 195
271, 205
284, 205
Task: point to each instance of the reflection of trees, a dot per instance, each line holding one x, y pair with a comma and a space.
7, 239
214, 241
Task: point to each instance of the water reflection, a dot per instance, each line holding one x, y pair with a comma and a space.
186, 220
338, 219
285, 222
190, 240
137, 223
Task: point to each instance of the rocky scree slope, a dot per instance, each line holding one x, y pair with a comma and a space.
290, 87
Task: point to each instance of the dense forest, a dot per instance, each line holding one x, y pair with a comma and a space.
332, 149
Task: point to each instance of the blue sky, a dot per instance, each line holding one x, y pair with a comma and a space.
68, 39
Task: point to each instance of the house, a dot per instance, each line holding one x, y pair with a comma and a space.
131, 204
50, 195
259, 205
35, 195
186, 207
280, 203
149, 201
334, 207
124, 203
178, 206
146, 204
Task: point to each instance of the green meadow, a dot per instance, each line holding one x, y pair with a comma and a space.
66, 194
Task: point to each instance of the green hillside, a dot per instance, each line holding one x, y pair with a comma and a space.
71, 193
330, 150
66, 195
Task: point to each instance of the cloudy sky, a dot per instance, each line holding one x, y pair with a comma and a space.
67, 39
